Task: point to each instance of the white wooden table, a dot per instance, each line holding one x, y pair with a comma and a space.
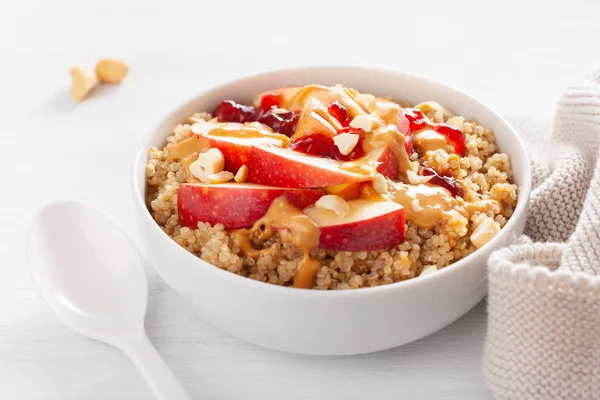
514, 58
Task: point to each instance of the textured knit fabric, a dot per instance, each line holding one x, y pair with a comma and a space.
543, 339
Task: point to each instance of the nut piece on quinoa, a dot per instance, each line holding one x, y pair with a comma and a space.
208, 164
485, 232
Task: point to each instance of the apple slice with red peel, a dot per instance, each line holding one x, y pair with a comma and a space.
313, 123
293, 98
274, 166
235, 205
388, 163
235, 140
316, 119
370, 225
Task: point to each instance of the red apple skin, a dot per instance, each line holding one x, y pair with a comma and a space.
274, 166
374, 233
378, 233
388, 164
236, 153
235, 205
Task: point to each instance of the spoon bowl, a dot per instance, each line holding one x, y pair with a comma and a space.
88, 271
92, 277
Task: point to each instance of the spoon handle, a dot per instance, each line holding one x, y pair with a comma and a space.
157, 374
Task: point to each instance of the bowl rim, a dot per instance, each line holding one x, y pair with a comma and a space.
520, 212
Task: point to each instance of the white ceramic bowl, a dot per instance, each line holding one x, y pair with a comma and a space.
330, 322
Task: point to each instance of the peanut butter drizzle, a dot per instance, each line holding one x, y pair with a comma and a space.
426, 204
192, 145
429, 140
242, 131
298, 100
363, 166
388, 136
294, 227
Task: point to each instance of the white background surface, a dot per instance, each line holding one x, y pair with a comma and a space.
514, 57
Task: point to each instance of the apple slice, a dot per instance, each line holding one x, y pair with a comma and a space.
347, 191
293, 98
388, 163
316, 119
235, 205
235, 140
274, 166
370, 225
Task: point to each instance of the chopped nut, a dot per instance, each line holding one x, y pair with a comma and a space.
82, 83
365, 122
279, 110
380, 184
429, 270
367, 102
209, 163
197, 118
415, 179
416, 206
111, 71
334, 203
242, 174
388, 112
412, 177
221, 177
346, 142
485, 232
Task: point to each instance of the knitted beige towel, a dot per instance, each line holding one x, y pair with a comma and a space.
543, 339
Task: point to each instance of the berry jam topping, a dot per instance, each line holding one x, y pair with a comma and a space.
455, 136
339, 112
284, 123
447, 182
418, 121
270, 100
323, 146
230, 111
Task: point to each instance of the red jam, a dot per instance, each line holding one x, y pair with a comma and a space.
418, 121
284, 123
270, 100
447, 182
339, 112
323, 146
230, 111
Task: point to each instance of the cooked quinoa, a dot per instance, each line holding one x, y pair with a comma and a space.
486, 171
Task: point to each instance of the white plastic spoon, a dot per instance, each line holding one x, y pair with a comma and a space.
89, 272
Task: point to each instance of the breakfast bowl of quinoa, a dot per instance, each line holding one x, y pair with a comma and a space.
334, 210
